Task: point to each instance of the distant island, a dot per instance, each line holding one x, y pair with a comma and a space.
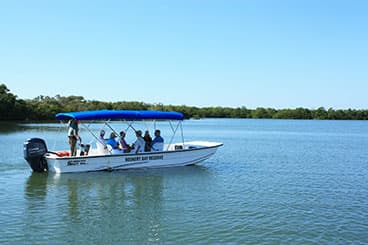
44, 108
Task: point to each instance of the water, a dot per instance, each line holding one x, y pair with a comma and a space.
273, 181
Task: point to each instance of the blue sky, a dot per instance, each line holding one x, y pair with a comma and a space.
281, 54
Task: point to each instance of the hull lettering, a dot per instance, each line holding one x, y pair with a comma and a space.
77, 162
144, 158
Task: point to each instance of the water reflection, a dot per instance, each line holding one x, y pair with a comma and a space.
36, 186
121, 206
10, 127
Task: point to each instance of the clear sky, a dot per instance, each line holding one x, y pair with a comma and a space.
280, 54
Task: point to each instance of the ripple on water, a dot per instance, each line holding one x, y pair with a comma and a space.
272, 182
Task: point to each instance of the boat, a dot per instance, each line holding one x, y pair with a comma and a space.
101, 157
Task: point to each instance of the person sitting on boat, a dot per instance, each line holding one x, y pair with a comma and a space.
123, 144
112, 141
158, 142
102, 136
84, 148
73, 136
139, 143
148, 139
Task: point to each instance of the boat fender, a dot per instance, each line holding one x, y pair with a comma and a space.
63, 153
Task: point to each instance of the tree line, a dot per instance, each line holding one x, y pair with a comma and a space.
44, 108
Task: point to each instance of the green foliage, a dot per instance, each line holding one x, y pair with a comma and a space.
298, 113
320, 113
44, 108
263, 113
7, 103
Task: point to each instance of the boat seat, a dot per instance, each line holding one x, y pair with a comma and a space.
109, 150
101, 149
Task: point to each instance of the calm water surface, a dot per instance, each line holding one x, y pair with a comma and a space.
273, 181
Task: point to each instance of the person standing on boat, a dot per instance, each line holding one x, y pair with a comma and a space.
158, 142
139, 143
148, 140
73, 136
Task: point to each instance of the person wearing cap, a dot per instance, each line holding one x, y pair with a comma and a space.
112, 141
73, 136
102, 136
139, 143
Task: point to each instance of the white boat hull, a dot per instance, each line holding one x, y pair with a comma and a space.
192, 153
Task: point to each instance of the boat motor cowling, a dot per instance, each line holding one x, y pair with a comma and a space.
34, 151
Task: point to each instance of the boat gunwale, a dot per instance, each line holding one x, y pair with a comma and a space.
129, 154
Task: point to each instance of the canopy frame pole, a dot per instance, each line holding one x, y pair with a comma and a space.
97, 139
181, 131
172, 128
89, 131
108, 125
130, 125
103, 127
146, 124
126, 130
60, 128
94, 136
177, 126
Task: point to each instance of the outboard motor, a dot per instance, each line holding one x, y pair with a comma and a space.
34, 151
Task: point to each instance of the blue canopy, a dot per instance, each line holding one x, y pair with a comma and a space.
120, 114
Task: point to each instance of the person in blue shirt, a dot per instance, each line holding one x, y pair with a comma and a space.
158, 142
112, 141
